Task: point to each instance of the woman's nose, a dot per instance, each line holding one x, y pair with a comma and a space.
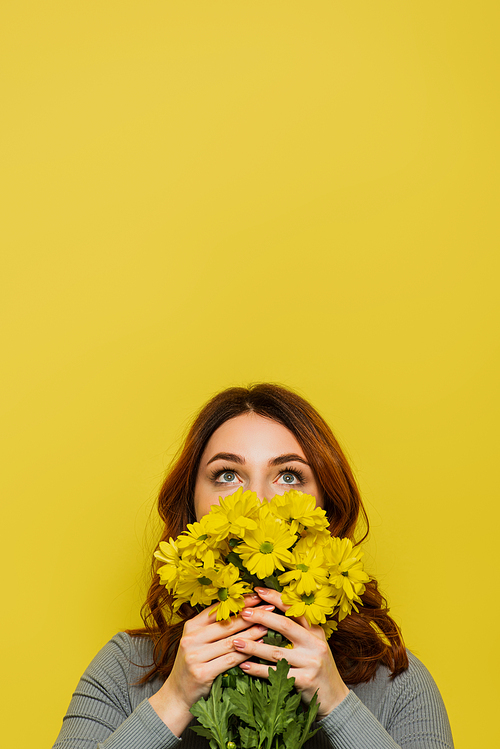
261, 487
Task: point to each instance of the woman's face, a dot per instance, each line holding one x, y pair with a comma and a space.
255, 453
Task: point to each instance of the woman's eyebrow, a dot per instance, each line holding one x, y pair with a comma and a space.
227, 456
286, 459
273, 462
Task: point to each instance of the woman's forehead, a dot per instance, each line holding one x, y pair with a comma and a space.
252, 435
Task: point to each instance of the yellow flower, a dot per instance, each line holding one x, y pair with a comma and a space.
329, 627
198, 543
315, 607
323, 576
195, 585
214, 527
310, 538
266, 548
299, 509
230, 591
346, 572
345, 607
169, 553
308, 572
236, 514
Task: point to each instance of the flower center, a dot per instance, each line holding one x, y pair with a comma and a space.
204, 580
345, 574
303, 568
223, 594
266, 547
203, 537
308, 599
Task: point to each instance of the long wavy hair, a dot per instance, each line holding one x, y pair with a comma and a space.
363, 640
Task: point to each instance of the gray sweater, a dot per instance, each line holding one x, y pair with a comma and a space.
110, 710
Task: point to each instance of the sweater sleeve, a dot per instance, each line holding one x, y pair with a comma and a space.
412, 712
100, 714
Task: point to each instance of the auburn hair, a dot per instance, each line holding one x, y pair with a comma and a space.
364, 639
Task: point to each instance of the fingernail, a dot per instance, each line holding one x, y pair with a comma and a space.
260, 640
245, 666
261, 590
268, 608
247, 612
240, 644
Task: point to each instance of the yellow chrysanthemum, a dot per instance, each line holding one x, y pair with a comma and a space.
299, 509
235, 514
198, 543
169, 553
195, 585
329, 627
266, 548
324, 576
312, 538
230, 591
345, 606
214, 527
315, 607
308, 571
346, 569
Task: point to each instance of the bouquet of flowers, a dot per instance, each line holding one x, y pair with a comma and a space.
284, 544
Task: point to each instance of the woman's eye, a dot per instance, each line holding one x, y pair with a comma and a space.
227, 477
289, 478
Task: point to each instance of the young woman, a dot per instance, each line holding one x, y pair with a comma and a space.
373, 694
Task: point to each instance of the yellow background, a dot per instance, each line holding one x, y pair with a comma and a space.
202, 194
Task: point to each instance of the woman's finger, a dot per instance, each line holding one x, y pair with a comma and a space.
261, 670
273, 654
274, 597
222, 647
294, 631
210, 613
225, 628
208, 671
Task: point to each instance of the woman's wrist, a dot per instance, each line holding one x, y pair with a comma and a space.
171, 709
327, 706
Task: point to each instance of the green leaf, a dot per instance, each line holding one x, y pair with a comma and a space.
242, 705
255, 713
272, 582
279, 687
201, 731
292, 703
242, 686
269, 582
310, 715
275, 639
248, 738
292, 735
233, 558
213, 714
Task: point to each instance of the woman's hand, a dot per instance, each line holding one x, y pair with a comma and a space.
206, 650
311, 661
